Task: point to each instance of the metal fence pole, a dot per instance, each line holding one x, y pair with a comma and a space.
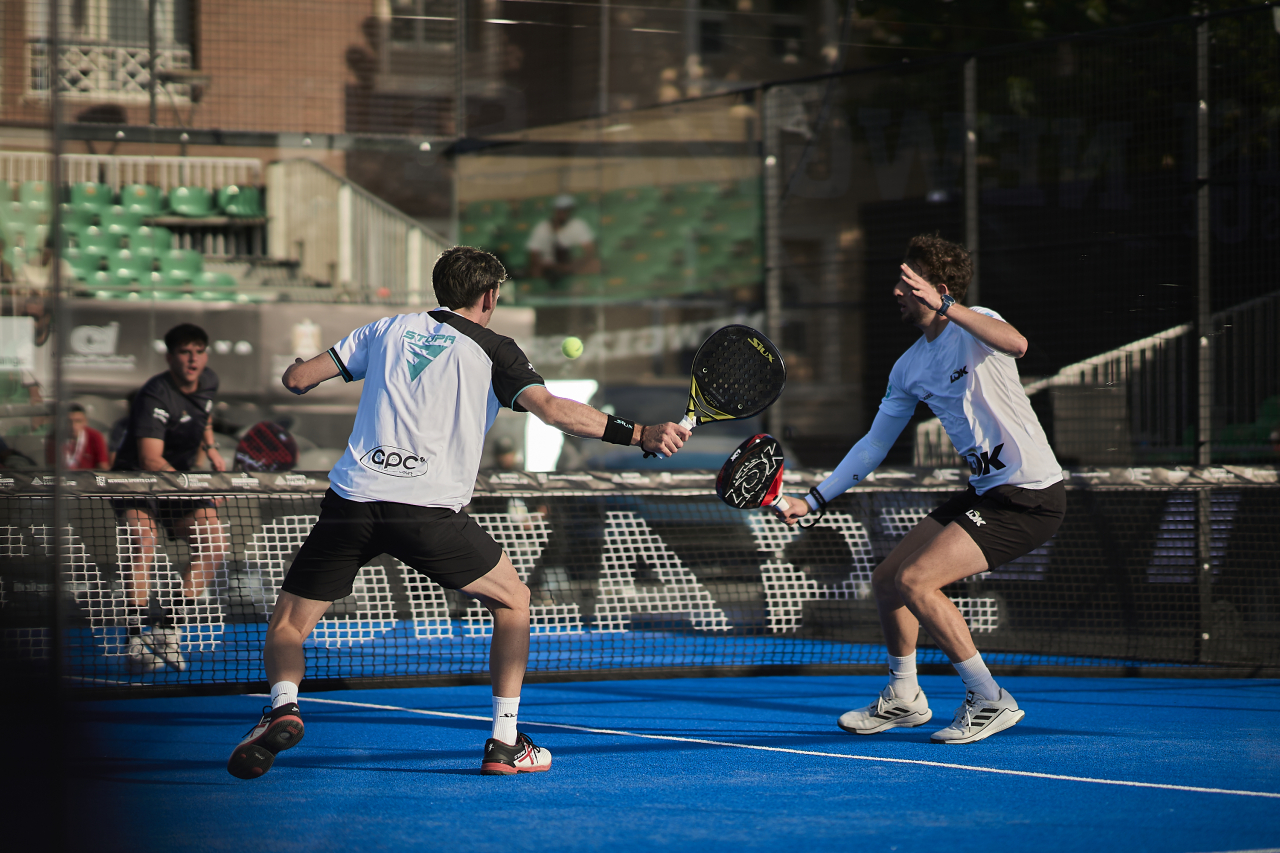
772, 138
971, 171
1204, 385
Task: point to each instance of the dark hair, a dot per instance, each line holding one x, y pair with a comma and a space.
463, 274
941, 262
75, 407
185, 333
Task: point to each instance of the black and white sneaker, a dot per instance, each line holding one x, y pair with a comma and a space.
277, 731
501, 759
980, 718
887, 712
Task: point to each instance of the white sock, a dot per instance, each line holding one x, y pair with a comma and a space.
504, 719
977, 677
902, 676
282, 693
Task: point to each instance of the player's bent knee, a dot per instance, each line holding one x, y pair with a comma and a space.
911, 583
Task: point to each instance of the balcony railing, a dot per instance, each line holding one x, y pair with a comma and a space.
105, 71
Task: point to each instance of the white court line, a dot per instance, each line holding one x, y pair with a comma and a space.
878, 758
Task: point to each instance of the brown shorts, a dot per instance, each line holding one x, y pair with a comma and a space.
446, 546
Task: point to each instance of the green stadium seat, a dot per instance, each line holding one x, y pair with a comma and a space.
90, 197
94, 239
216, 281
126, 266
191, 201
84, 263
240, 201
118, 220
158, 240
76, 219
15, 256
36, 196
19, 225
6, 192
180, 267
142, 198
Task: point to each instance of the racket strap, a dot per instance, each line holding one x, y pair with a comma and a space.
820, 501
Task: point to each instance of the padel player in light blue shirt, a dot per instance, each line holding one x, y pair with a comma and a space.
962, 368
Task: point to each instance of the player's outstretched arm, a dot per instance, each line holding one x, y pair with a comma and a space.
302, 376
861, 460
584, 421
996, 334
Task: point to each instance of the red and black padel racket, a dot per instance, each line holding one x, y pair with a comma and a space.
751, 477
267, 446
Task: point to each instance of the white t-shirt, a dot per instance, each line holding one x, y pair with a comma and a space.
433, 383
545, 241
976, 394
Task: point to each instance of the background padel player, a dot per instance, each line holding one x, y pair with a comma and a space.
963, 368
433, 384
170, 428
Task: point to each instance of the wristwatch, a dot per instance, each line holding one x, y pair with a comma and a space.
947, 301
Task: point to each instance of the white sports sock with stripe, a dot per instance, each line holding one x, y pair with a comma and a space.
977, 677
282, 693
902, 676
504, 719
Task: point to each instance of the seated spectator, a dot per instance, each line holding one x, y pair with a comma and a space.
562, 245
84, 449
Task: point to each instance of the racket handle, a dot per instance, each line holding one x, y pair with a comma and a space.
686, 422
780, 503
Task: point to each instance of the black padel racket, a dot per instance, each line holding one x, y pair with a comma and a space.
737, 373
752, 475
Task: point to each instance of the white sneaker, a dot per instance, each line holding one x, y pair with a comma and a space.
980, 718
887, 712
140, 657
159, 648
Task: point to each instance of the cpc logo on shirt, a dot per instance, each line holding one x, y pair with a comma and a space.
394, 462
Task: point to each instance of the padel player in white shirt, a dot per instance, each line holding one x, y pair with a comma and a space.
962, 368
433, 383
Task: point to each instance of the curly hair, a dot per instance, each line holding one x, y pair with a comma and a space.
463, 274
941, 262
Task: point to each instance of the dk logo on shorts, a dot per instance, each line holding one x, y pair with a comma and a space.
394, 462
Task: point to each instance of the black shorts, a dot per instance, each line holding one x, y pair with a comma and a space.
167, 511
446, 546
1007, 521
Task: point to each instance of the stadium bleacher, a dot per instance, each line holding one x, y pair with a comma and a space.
124, 246
663, 239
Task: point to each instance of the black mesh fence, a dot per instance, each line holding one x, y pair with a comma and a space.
1109, 187
1170, 572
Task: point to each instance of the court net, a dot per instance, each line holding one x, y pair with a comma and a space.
1153, 571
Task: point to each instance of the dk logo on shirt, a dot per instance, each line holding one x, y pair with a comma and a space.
394, 462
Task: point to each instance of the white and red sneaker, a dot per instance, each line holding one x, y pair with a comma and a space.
277, 731
501, 759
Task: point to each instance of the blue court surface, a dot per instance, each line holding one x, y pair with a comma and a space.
694, 764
